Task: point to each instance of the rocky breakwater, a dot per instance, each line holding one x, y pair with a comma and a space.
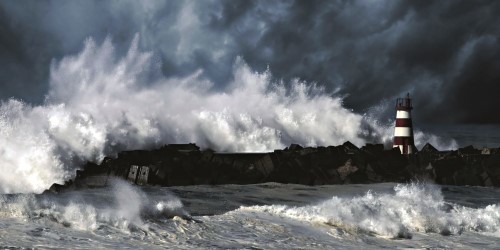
186, 164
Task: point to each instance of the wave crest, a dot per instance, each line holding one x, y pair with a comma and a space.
99, 104
126, 207
411, 208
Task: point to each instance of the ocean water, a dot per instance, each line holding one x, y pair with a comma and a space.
261, 216
100, 103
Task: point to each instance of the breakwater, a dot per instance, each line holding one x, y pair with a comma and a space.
186, 164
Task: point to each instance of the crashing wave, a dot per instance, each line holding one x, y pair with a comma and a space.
411, 208
99, 104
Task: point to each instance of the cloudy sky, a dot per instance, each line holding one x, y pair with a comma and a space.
445, 53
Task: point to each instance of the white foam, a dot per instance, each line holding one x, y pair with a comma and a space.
440, 143
99, 104
125, 208
412, 208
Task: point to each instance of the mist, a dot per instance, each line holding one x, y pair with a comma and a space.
99, 104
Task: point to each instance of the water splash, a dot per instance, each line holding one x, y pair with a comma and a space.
123, 207
411, 208
99, 104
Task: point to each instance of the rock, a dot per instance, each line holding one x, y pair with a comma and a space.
428, 148
350, 148
347, 169
57, 188
186, 164
487, 182
492, 167
295, 147
469, 150
374, 149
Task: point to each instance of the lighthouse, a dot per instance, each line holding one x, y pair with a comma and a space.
403, 132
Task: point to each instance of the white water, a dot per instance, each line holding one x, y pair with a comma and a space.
99, 104
289, 217
123, 208
412, 208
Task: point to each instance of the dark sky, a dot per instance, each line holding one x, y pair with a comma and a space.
446, 53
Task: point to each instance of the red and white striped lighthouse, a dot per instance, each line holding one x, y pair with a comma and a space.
403, 132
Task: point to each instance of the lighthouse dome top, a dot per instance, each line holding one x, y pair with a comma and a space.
404, 103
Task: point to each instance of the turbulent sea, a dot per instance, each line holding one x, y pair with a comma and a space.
261, 216
100, 103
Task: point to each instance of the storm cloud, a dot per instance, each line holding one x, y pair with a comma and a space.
446, 53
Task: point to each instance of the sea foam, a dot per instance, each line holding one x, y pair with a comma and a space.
123, 207
411, 208
99, 103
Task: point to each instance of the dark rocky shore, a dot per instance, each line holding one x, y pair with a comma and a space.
186, 164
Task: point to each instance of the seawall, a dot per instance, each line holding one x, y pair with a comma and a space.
186, 164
